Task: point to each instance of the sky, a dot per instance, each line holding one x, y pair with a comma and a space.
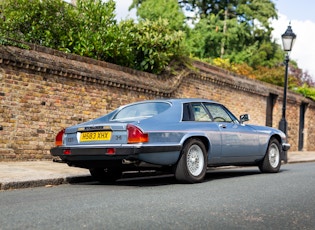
299, 13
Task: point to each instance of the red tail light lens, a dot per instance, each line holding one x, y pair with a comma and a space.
59, 137
67, 152
135, 135
111, 151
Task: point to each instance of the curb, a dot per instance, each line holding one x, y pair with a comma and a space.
44, 182
72, 177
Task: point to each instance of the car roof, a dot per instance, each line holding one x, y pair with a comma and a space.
178, 100
188, 100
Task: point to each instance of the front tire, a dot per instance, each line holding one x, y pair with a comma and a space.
192, 165
272, 160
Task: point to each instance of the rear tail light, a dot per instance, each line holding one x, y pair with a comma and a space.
59, 138
135, 135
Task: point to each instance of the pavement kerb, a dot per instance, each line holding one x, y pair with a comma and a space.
44, 182
19, 175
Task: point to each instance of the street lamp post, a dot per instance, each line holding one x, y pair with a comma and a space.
288, 39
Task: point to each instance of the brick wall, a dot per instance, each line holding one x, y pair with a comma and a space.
43, 90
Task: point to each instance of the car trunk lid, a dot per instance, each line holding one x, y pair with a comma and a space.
106, 133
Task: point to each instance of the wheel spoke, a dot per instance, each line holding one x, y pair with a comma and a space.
271, 163
195, 160
274, 156
192, 164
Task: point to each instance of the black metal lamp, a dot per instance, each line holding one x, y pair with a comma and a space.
288, 39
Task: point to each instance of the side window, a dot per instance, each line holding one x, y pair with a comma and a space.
200, 112
187, 116
218, 113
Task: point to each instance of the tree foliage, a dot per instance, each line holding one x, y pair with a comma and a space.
90, 29
168, 10
306, 91
41, 22
155, 45
236, 35
95, 32
233, 29
233, 34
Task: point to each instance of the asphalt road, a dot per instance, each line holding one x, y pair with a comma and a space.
237, 198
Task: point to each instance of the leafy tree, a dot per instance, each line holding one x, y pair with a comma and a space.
234, 28
233, 34
203, 8
248, 11
156, 45
96, 30
165, 9
40, 22
306, 91
206, 38
90, 29
275, 76
147, 45
307, 80
239, 32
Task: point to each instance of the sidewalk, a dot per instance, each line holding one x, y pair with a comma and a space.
26, 174
16, 175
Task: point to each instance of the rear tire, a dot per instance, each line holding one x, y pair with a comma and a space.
272, 160
192, 165
107, 175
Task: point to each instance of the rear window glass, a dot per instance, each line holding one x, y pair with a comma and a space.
141, 111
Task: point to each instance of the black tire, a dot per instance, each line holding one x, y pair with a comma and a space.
272, 160
107, 175
192, 165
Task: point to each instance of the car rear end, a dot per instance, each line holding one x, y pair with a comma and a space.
102, 142
114, 137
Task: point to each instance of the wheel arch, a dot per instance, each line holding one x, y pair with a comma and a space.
202, 138
276, 136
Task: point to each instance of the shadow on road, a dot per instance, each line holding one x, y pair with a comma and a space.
149, 179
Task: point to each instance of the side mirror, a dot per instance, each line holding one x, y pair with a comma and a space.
244, 117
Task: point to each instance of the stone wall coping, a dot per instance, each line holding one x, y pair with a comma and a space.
43, 59
222, 76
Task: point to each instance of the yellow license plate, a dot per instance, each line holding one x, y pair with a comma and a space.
95, 136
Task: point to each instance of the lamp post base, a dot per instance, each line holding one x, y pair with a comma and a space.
283, 125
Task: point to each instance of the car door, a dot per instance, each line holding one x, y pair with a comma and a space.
238, 140
199, 115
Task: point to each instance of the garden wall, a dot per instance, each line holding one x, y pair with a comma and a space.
44, 90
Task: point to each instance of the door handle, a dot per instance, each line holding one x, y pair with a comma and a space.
223, 126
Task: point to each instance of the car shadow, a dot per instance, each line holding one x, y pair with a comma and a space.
230, 172
145, 179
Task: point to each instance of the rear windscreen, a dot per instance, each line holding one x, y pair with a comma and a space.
141, 110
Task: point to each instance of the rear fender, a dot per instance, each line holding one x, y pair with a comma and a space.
201, 136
